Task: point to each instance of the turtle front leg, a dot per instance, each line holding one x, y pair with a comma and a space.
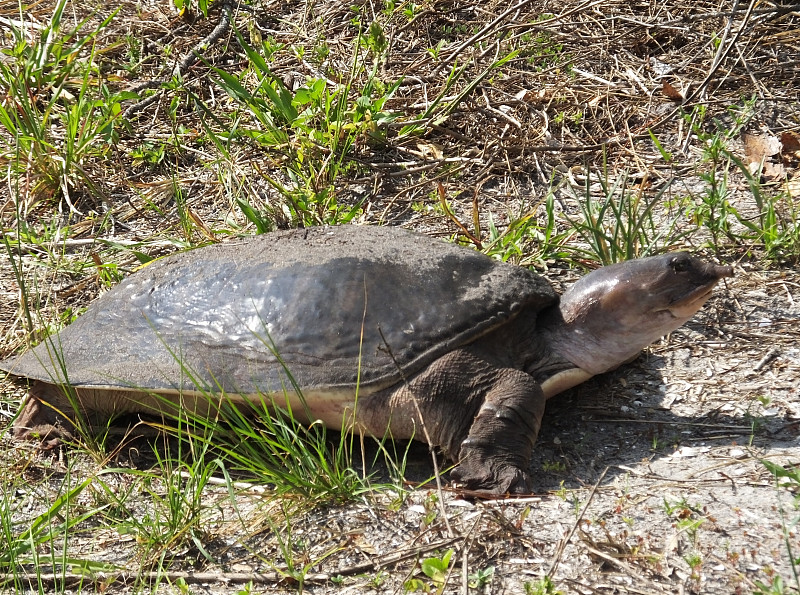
496, 454
484, 417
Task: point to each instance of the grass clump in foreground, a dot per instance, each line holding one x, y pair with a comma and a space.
220, 479
265, 441
37, 546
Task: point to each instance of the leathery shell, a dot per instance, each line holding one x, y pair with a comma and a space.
334, 306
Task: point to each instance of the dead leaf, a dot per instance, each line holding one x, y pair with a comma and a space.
671, 92
773, 171
790, 141
793, 187
431, 150
530, 96
758, 148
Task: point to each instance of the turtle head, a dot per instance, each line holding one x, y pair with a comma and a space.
610, 315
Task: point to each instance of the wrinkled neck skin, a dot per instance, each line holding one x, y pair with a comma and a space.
593, 348
537, 339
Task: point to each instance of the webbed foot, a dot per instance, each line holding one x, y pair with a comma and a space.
481, 471
497, 451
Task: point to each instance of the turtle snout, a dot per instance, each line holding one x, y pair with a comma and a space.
719, 271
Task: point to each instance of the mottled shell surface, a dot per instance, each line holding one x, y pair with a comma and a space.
333, 306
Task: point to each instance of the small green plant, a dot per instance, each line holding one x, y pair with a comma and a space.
682, 505
431, 505
436, 50
261, 220
375, 40
656, 443
776, 226
189, 6
665, 155
148, 153
279, 450
436, 569
541, 50
411, 10
554, 466
694, 560
712, 208
182, 586
524, 241
377, 581
776, 587
754, 415
543, 586
481, 578
689, 517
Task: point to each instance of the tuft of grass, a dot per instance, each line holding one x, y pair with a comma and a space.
312, 131
59, 115
621, 224
265, 442
774, 227
176, 517
786, 477
41, 544
524, 241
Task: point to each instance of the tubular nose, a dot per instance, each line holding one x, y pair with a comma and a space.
723, 271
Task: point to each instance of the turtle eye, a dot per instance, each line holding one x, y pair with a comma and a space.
680, 264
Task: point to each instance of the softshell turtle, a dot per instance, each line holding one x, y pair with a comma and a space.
425, 329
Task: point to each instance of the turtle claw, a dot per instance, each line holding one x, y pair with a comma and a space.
477, 472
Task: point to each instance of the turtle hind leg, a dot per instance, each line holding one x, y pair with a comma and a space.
496, 454
40, 421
